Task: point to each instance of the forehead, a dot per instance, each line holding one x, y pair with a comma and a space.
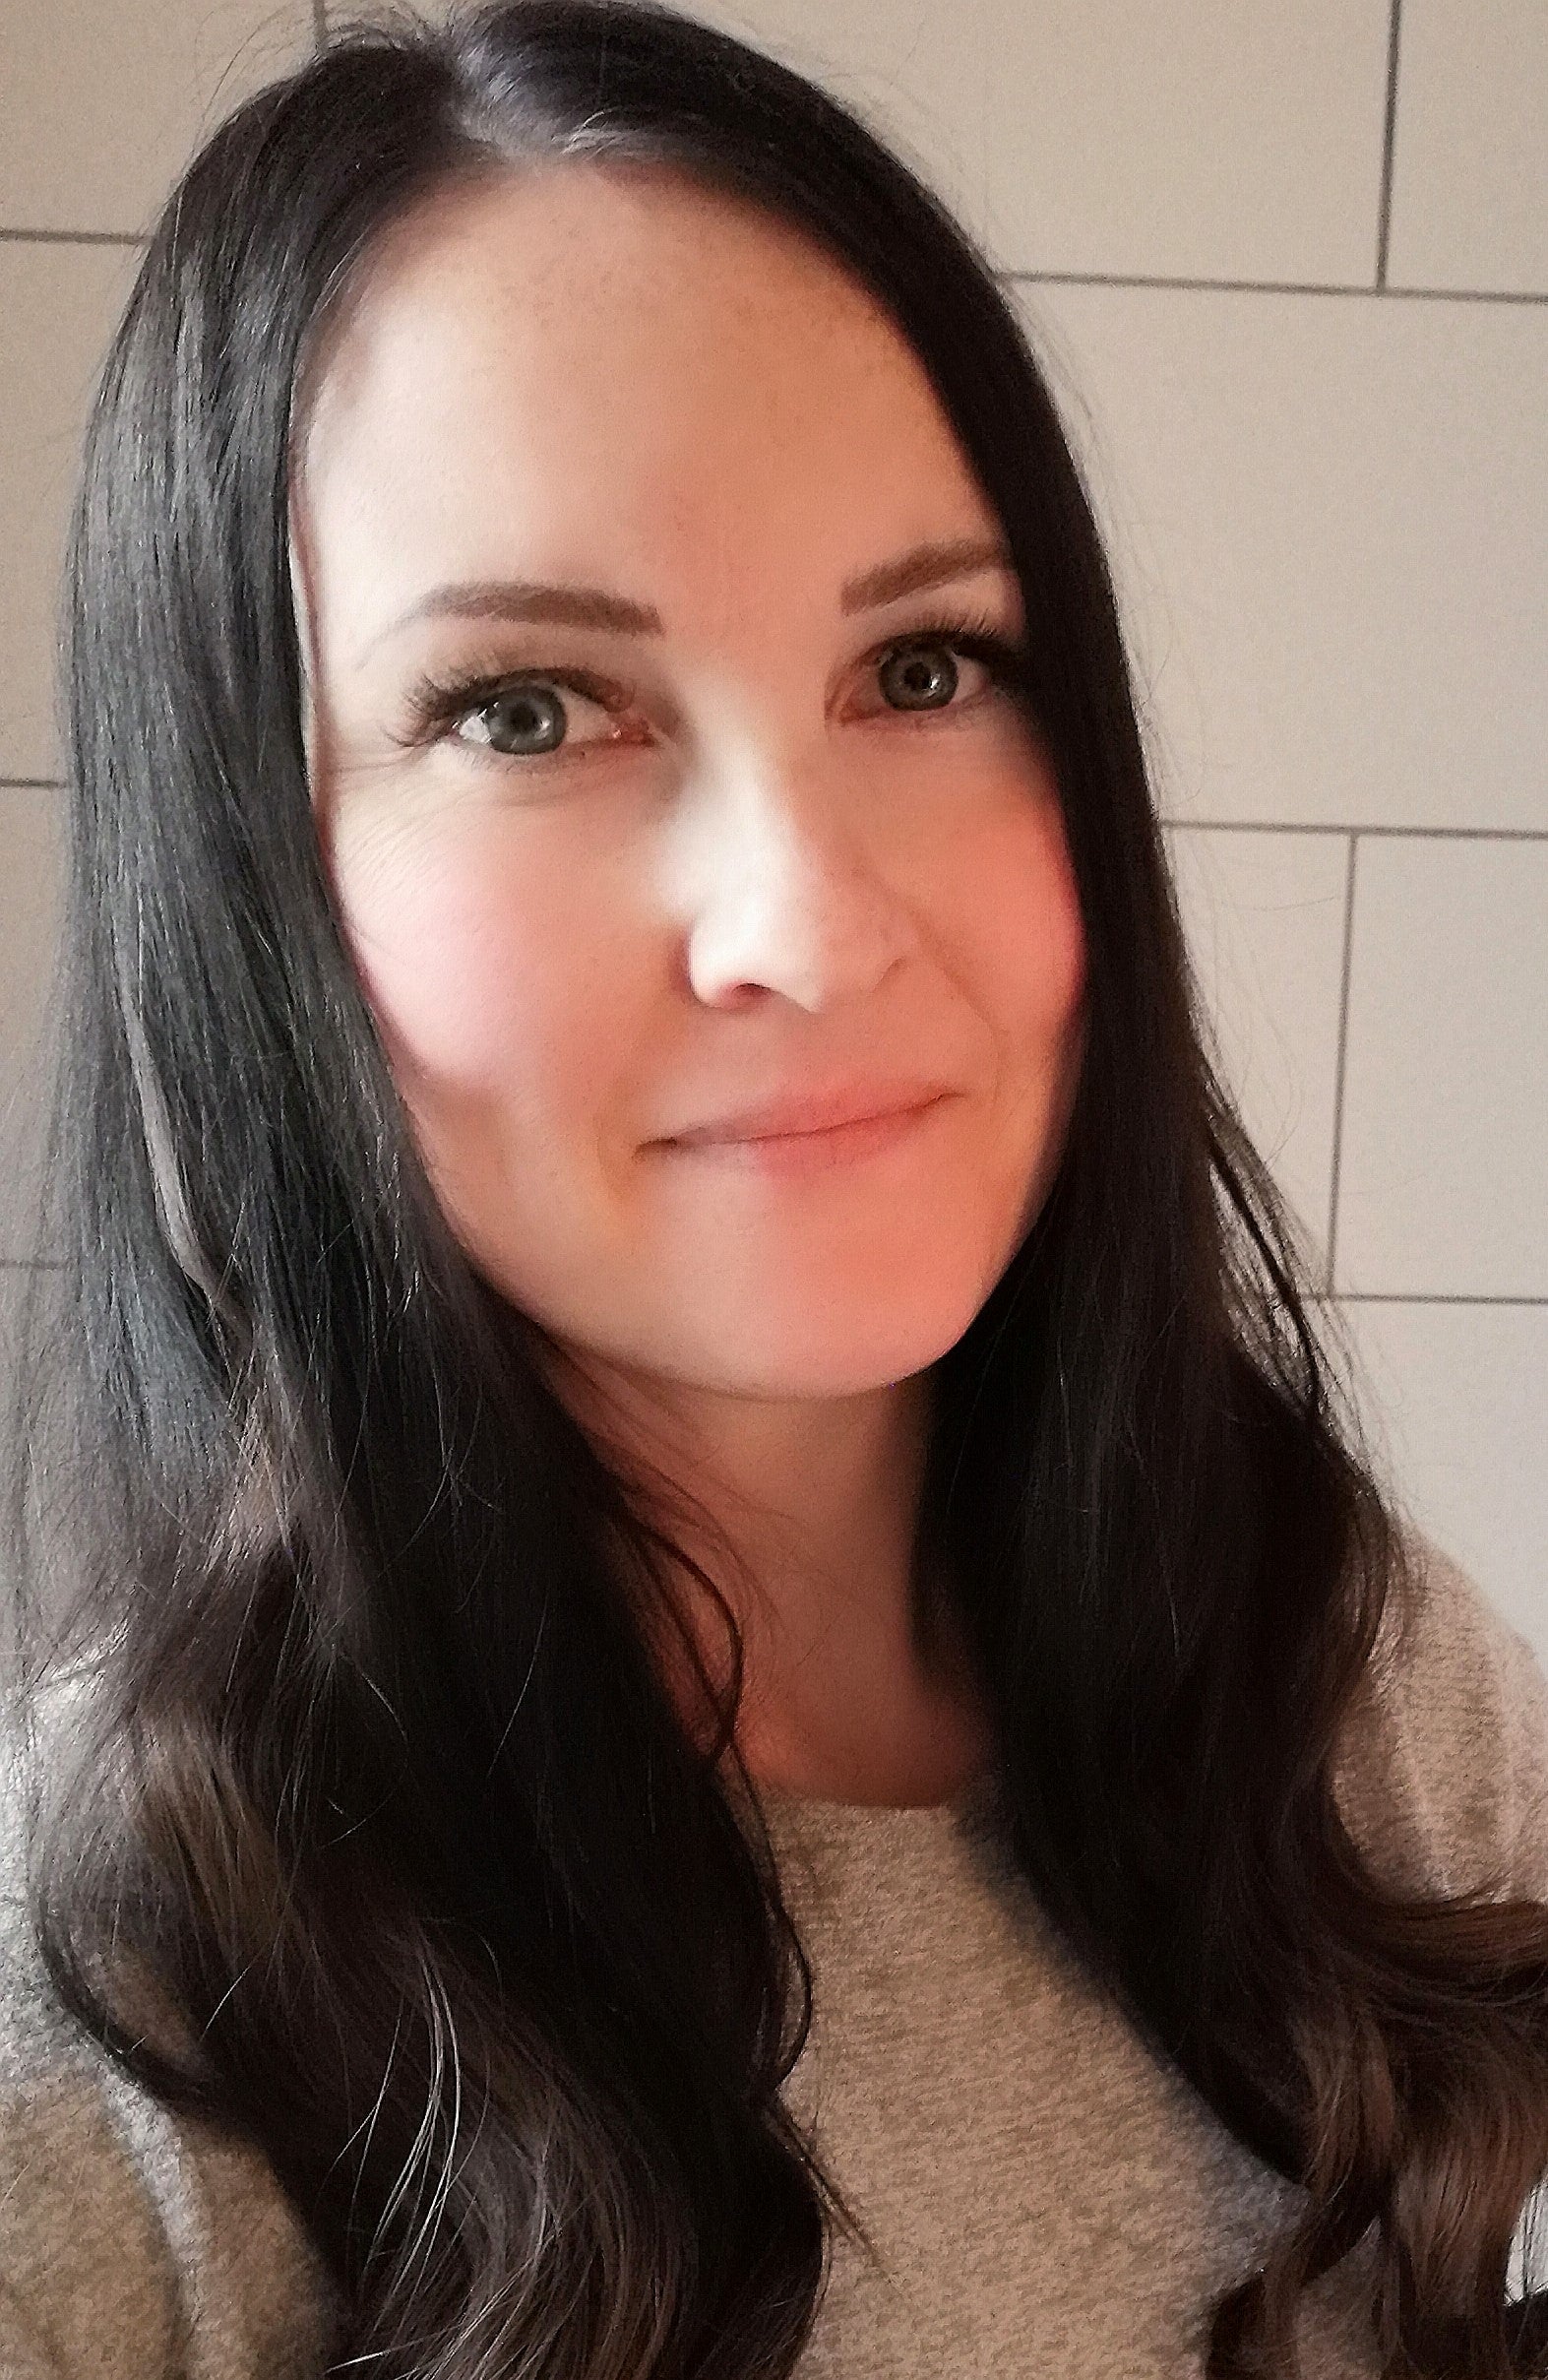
617, 368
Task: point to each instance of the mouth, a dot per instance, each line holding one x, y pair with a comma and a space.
815, 1152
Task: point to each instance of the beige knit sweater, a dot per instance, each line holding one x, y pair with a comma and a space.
1049, 2201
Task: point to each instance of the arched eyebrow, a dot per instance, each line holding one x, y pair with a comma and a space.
933, 564
922, 566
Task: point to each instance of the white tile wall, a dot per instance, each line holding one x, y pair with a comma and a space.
1113, 135
1336, 516
1470, 163
1444, 1181
101, 103
1209, 139
1264, 915
1327, 504
1457, 1390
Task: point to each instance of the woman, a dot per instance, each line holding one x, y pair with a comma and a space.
674, 1752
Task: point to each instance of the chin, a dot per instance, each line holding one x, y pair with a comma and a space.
778, 1354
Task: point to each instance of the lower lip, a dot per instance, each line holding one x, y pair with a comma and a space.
785, 1152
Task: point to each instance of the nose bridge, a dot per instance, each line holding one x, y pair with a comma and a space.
773, 883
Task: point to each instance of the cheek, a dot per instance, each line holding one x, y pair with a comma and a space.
483, 993
1029, 940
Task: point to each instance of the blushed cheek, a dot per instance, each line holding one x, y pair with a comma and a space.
1039, 941
461, 981
1040, 962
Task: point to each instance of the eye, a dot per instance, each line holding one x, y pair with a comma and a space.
539, 717
529, 714
524, 721
921, 672
921, 676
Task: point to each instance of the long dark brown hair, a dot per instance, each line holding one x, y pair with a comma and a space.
379, 1787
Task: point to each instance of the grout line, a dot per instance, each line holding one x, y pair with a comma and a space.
1275, 289
1428, 1297
31, 784
319, 23
1340, 1063
1345, 825
75, 239
1388, 144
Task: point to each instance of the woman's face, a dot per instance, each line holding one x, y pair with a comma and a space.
726, 850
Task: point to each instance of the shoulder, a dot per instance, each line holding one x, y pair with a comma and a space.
1442, 1771
126, 2234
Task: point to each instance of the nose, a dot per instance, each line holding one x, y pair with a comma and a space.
776, 886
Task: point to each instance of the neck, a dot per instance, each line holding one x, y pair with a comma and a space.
851, 1690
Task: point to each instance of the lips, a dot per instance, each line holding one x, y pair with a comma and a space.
811, 1112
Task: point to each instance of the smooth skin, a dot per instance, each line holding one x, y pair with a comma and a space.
751, 863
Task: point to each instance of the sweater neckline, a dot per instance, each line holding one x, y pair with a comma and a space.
900, 1819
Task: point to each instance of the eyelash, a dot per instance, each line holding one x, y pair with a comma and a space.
434, 705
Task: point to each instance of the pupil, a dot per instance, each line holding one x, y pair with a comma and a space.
514, 719
918, 673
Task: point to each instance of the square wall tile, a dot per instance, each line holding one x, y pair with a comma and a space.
32, 870
103, 105
912, 69
58, 305
1443, 1184
1185, 138
1470, 160
1330, 526
1264, 920
1458, 1398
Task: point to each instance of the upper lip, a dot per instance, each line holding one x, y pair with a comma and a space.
817, 1110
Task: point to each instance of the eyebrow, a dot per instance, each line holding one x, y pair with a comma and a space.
932, 564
